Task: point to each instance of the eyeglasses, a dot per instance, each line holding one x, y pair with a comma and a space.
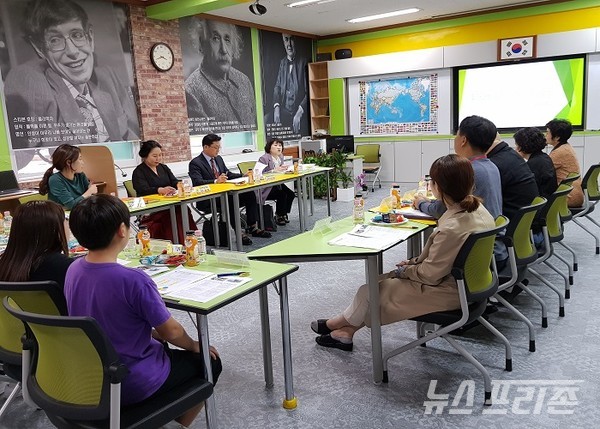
58, 43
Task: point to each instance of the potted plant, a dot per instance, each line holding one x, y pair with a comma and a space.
337, 161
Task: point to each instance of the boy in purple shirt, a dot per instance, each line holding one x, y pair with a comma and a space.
128, 307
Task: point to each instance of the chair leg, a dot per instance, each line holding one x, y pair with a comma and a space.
572, 252
539, 300
560, 273
570, 267
561, 298
486, 376
578, 222
12, 396
522, 317
501, 337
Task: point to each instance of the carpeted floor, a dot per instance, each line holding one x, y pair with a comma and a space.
334, 388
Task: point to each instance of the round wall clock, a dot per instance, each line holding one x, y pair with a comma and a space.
161, 56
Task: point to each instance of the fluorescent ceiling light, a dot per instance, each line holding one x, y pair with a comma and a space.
384, 15
307, 2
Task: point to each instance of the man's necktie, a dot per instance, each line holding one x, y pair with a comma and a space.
86, 111
214, 168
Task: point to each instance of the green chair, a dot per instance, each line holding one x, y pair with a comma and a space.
34, 197
371, 161
76, 377
565, 216
245, 166
42, 297
521, 252
128, 184
552, 228
591, 194
475, 273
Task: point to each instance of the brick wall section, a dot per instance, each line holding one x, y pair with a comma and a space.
162, 107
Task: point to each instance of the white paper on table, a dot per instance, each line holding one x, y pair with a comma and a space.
238, 180
258, 169
411, 213
179, 278
209, 288
152, 270
371, 237
123, 261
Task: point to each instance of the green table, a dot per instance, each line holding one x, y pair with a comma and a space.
262, 274
313, 247
157, 206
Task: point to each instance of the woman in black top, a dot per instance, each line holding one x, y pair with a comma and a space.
530, 142
37, 246
154, 177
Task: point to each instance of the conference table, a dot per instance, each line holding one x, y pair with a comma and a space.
313, 246
262, 274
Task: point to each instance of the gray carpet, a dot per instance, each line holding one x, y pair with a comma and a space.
334, 388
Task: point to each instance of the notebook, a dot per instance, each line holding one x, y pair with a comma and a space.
9, 184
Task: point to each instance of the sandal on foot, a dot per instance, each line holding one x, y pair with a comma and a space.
320, 327
334, 343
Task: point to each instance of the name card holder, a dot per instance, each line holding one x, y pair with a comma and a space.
231, 258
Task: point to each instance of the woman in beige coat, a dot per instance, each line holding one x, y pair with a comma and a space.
423, 284
558, 132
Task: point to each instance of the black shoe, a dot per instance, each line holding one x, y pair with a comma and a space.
260, 233
329, 341
320, 327
510, 296
246, 240
280, 220
286, 219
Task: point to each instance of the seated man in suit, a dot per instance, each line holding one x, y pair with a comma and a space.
209, 167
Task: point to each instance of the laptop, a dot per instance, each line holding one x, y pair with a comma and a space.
9, 184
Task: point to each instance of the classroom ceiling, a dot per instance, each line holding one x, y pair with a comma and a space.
329, 17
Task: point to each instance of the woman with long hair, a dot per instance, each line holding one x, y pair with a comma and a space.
37, 246
154, 177
69, 185
423, 284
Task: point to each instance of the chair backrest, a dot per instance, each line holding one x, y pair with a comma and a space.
519, 231
244, 166
128, 184
100, 166
40, 297
571, 177
550, 214
590, 183
34, 197
369, 152
473, 264
73, 365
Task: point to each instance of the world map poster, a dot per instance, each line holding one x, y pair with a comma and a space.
400, 105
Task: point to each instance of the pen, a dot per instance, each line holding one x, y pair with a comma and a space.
406, 226
238, 273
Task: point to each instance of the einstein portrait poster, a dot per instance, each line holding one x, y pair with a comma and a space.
284, 59
219, 76
67, 74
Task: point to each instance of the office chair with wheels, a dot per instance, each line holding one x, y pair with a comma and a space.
76, 377
42, 297
475, 273
371, 161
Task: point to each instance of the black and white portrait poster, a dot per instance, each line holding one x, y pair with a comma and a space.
67, 74
284, 59
219, 76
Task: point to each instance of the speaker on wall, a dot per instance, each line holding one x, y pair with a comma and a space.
324, 57
340, 54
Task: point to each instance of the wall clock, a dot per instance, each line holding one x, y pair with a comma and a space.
161, 56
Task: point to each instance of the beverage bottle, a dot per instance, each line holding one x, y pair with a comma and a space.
191, 249
428, 186
358, 210
396, 198
7, 223
422, 188
1, 224
180, 191
144, 241
296, 170
201, 246
250, 176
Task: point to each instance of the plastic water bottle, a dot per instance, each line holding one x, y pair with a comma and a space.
358, 210
395, 193
1, 225
143, 237
201, 246
7, 223
191, 249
